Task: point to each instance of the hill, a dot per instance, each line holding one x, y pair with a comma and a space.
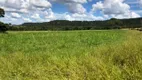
81, 25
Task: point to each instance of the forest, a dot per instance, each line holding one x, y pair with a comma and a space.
113, 23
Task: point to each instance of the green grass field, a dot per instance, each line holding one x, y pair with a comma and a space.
71, 55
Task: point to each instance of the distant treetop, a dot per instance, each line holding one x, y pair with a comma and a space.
2, 12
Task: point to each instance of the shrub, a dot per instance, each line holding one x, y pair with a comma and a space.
3, 27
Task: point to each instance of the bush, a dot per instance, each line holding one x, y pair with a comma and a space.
3, 27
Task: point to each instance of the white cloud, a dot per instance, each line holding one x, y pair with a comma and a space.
25, 5
78, 17
15, 15
19, 11
27, 10
135, 15
114, 8
97, 6
35, 16
111, 7
40, 3
27, 20
16, 4
76, 8
70, 1
140, 1
9, 19
2, 1
126, 15
49, 14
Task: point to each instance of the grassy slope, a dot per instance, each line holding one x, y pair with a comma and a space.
71, 55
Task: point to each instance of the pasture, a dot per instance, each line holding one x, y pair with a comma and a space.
71, 55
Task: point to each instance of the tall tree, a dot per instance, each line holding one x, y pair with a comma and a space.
2, 12
3, 27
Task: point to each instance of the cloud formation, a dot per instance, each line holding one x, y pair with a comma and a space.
140, 1
74, 6
114, 8
27, 10
19, 11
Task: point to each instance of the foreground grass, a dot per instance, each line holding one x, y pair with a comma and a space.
77, 55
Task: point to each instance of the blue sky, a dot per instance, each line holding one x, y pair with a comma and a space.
20, 11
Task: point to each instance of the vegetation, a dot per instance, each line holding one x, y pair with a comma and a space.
3, 27
79, 25
71, 55
2, 12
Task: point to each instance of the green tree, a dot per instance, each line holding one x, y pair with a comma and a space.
3, 27
2, 12
115, 23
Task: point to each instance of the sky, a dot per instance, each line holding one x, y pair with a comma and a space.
21, 11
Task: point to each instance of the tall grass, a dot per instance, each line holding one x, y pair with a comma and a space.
73, 55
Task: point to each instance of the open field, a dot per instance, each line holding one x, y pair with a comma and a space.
71, 55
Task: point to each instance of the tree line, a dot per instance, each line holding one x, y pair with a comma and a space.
80, 25
3, 27
113, 23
